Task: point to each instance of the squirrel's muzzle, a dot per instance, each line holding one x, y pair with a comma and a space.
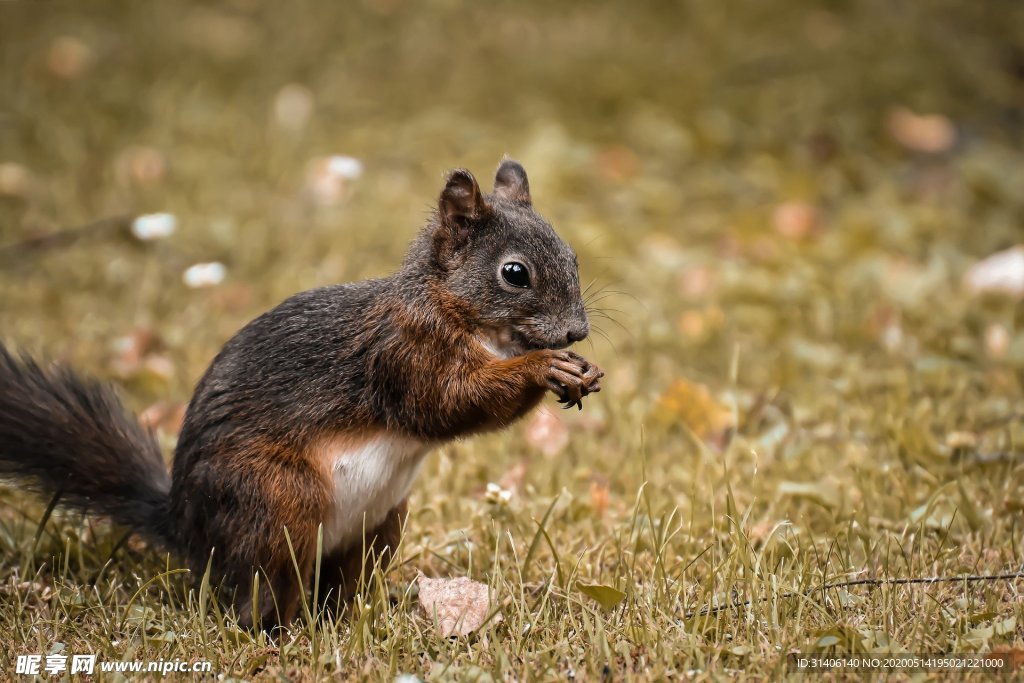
578, 332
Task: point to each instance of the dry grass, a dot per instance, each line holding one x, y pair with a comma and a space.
795, 396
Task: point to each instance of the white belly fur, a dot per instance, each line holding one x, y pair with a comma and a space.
369, 480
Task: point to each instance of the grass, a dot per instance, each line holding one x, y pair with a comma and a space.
799, 389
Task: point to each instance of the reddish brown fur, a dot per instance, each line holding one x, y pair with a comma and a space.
328, 369
432, 380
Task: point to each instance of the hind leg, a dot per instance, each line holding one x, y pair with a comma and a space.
285, 569
342, 571
258, 510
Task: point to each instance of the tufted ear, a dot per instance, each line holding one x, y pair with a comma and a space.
460, 204
461, 198
511, 182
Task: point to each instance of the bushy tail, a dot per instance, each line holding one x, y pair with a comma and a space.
62, 434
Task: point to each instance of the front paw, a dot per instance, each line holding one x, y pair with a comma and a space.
571, 377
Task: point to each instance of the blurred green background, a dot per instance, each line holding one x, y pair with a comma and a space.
788, 205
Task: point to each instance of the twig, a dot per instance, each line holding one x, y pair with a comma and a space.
969, 578
63, 238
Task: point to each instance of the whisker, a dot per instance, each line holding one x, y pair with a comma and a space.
605, 310
620, 325
615, 292
605, 336
605, 291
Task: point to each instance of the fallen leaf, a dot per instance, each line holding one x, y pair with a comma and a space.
546, 431
697, 282
15, 180
293, 106
599, 496
796, 220
141, 165
1014, 654
696, 324
329, 179
164, 415
997, 340
221, 34
232, 297
69, 57
513, 478
1000, 273
458, 606
826, 641
664, 250
823, 493
607, 596
617, 163
694, 406
921, 132
131, 350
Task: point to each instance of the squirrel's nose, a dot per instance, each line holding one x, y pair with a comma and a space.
577, 333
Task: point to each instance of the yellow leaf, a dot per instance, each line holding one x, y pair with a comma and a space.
606, 595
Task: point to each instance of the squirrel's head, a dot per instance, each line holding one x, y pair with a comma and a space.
506, 264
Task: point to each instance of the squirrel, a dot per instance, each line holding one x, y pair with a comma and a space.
317, 415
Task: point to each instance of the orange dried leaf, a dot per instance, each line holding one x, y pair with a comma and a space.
694, 406
796, 220
599, 497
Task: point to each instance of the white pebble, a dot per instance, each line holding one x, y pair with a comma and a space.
497, 494
1000, 273
346, 167
154, 226
204, 275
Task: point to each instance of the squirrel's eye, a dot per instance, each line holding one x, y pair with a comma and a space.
515, 274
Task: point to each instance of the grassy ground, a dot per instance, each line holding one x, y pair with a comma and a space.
799, 388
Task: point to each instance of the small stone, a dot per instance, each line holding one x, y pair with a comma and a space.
1000, 273
204, 275
345, 167
154, 226
498, 495
329, 179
